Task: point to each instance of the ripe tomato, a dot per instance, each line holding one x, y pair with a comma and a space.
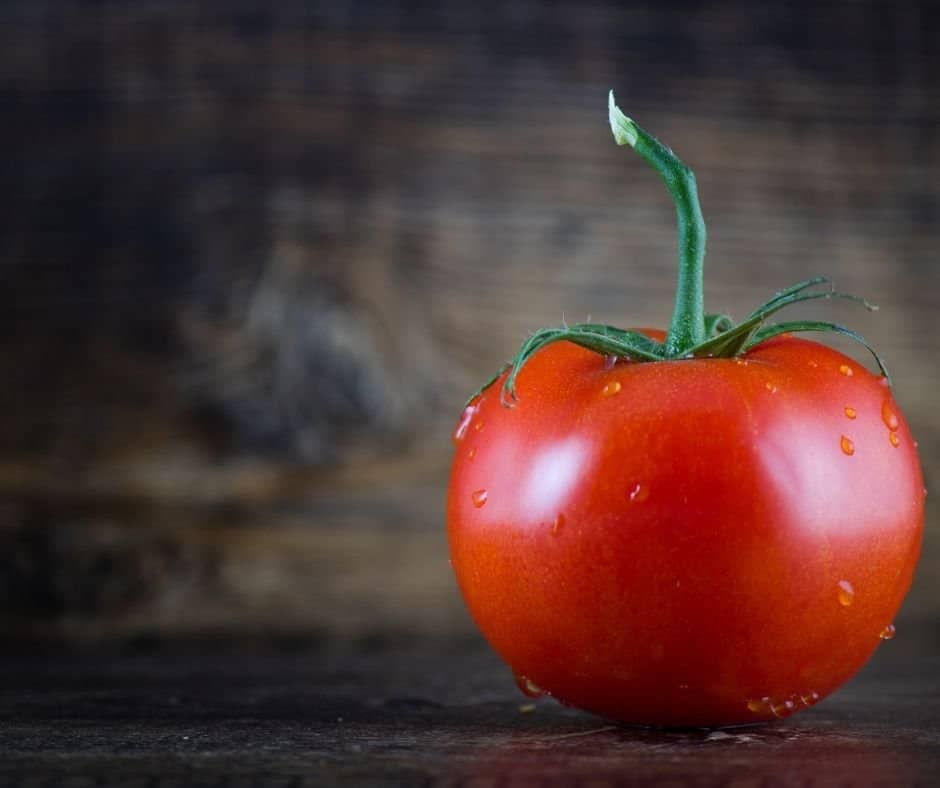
703, 543
709, 526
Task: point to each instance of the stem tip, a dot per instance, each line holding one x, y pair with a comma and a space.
623, 128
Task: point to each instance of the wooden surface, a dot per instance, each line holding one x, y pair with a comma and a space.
254, 257
426, 717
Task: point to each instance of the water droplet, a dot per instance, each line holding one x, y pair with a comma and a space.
770, 387
847, 446
683, 686
464, 424
895, 440
611, 388
888, 632
557, 524
783, 708
888, 416
528, 687
846, 593
846, 370
639, 493
472, 453
809, 698
479, 498
755, 705
478, 426
610, 362
813, 364
850, 413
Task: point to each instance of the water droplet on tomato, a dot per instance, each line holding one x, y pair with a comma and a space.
895, 440
479, 498
610, 362
847, 446
846, 370
558, 523
478, 426
770, 387
888, 632
472, 453
809, 698
850, 413
464, 424
756, 705
846, 593
639, 493
611, 388
888, 416
783, 708
528, 687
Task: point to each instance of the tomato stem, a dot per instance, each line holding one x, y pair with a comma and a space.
692, 333
687, 328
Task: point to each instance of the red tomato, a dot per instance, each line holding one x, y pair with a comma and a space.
701, 542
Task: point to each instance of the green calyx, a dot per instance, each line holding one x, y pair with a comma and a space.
692, 333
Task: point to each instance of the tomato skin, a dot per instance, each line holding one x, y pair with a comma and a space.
704, 542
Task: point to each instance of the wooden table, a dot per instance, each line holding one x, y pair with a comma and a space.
432, 714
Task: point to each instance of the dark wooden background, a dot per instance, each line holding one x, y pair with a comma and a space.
254, 256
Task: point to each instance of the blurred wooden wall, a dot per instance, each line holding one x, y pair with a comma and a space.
254, 256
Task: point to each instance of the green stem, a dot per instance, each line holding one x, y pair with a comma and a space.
687, 328
692, 333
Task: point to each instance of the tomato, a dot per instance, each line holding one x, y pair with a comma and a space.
711, 542
712, 525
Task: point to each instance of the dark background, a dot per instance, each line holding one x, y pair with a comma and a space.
254, 257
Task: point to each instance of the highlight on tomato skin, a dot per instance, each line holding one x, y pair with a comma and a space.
706, 526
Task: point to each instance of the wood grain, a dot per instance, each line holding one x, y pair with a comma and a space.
424, 715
